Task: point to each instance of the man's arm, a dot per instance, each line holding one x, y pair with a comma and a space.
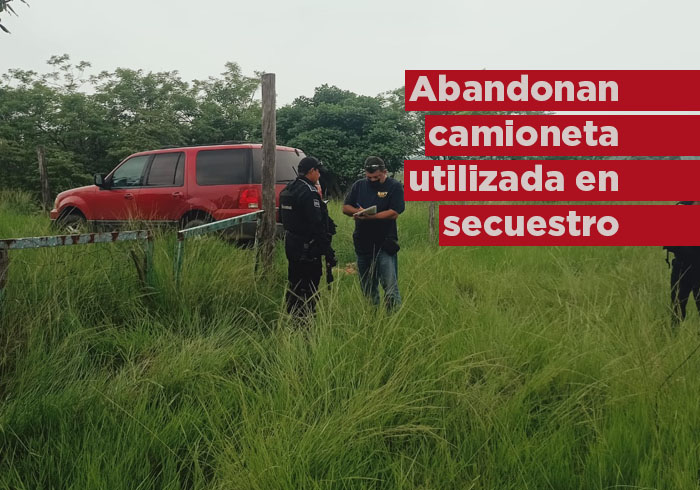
388, 214
349, 209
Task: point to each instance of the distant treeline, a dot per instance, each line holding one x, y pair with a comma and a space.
89, 122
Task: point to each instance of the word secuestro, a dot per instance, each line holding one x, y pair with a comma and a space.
512, 226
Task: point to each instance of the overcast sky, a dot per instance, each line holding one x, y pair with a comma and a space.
360, 45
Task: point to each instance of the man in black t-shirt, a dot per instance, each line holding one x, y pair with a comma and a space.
376, 237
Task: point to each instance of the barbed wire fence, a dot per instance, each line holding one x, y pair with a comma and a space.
36, 267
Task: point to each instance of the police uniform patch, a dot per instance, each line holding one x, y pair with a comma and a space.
382, 193
316, 203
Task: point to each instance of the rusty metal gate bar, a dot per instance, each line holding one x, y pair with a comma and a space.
66, 240
224, 224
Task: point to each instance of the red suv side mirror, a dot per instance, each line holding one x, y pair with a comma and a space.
100, 181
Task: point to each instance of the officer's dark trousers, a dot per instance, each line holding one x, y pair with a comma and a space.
685, 278
304, 277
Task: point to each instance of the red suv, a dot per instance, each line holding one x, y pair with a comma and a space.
182, 186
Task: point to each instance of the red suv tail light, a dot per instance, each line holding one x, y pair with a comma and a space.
249, 198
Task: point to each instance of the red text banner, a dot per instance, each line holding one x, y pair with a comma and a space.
551, 180
611, 225
561, 90
596, 135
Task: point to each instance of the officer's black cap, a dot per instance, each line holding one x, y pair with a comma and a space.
372, 164
308, 163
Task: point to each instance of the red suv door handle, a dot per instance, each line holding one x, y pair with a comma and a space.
128, 195
177, 194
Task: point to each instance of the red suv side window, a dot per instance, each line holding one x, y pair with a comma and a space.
285, 166
223, 167
130, 173
166, 170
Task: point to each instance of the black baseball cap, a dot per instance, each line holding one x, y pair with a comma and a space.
372, 164
308, 163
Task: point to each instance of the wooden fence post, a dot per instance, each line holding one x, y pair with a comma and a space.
266, 232
44, 176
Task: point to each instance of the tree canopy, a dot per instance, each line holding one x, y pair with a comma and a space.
342, 128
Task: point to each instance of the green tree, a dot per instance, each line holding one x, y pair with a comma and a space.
226, 108
37, 110
342, 129
145, 110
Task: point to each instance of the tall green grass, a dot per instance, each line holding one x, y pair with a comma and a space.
506, 368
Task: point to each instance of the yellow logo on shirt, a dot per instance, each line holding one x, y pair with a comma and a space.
382, 194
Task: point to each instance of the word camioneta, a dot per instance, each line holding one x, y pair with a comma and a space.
524, 135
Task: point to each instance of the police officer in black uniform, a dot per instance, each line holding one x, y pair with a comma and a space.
308, 235
685, 277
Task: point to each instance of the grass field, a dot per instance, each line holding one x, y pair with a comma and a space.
506, 368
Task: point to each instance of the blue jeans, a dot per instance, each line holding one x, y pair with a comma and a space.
380, 268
